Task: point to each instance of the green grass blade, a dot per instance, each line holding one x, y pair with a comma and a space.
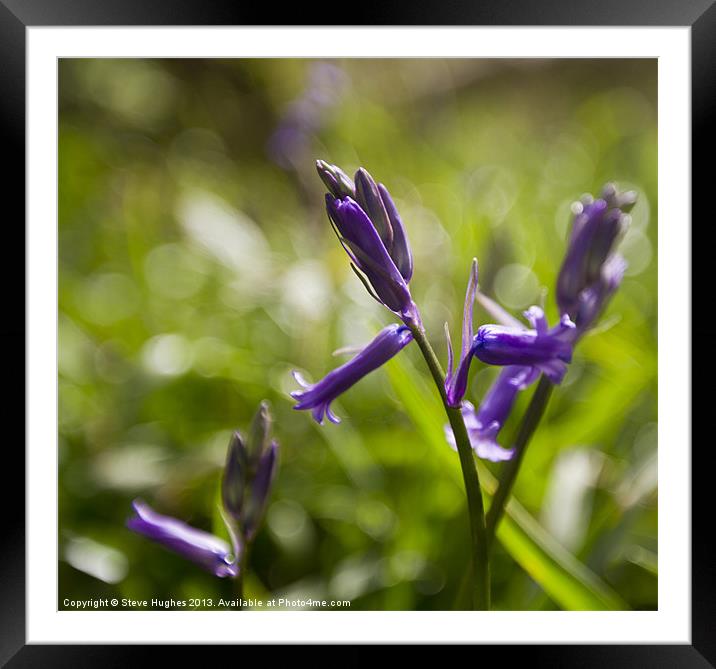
567, 581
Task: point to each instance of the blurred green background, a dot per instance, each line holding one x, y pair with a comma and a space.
197, 268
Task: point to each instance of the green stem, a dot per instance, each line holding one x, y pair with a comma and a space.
476, 509
243, 568
529, 424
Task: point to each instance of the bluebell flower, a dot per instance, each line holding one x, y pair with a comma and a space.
245, 486
484, 425
548, 350
248, 475
593, 299
591, 271
317, 397
371, 231
210, 552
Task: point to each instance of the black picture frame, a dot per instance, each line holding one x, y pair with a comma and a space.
17, 15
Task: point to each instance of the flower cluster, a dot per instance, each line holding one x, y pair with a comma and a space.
371, 231
592, 270
589, 276
246, 482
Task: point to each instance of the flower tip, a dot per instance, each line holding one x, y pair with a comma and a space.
298, 377
567, 322
533, 312
362, 174
140, 507
495, 453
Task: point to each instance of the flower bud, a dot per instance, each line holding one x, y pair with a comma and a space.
368, 197
233, 482
339, 184
259, 433
260, 489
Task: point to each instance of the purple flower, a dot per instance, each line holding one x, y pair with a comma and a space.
210, 552
596, 227
546, 349
456, 383
318, 396
484, 425
339, 184
260, 487
248, 475
369, 227
594, 298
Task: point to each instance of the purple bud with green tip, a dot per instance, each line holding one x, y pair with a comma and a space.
260, 489
593, 300
259, 435
596, 228
370, 201
234, 478
368, 226
339, 184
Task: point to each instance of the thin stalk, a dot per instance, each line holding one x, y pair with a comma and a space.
475, 506
243, 568
529, 424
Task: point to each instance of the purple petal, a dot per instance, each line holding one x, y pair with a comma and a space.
596, 226
336, 180
500, 345
400, 253
368, 253
260, 489
468, 308
368, 197
318, 397
206, 550
233, 481
456, 383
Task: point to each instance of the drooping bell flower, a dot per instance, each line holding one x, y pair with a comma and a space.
546, 349
318, 396
596, 228
208, 551
484, 425
371, 231
456, 381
